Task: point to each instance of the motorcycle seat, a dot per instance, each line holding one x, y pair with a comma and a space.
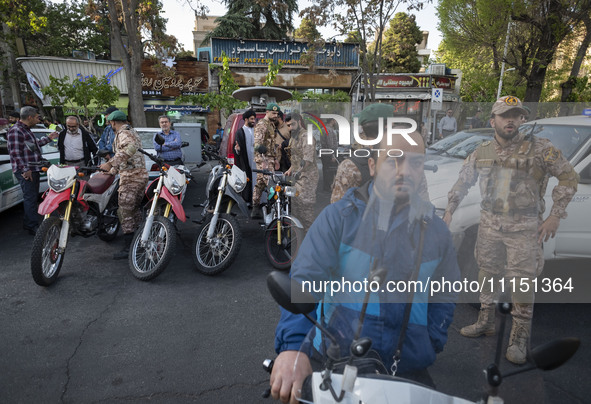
99, 183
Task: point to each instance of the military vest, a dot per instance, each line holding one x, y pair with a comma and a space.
513, 186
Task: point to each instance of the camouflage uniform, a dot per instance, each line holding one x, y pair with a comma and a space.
130, 165
304, 203
264, 134
513, 181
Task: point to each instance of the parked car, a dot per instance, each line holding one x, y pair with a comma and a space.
233, 123
572, 135
10, 190
446, 143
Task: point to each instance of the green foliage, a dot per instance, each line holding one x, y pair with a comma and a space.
272, 71
22, 16
221, 100
308, 31
399, 46
256, 19
92, 94
338, 96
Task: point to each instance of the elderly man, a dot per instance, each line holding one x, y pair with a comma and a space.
130, 164
24, 150
448, 124
170, 151
75, 144
264, 135
513, 168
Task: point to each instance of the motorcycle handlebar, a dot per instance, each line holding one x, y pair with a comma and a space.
152, 157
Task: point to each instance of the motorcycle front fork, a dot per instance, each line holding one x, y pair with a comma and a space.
65, 229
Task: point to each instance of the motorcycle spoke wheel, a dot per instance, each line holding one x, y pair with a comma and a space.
282, 255
110, 226
46, 259
214, 256
148, 261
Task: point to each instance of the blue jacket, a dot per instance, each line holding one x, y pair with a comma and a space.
106, 140
337, 247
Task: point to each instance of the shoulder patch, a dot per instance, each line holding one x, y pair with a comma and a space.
485, 143
551, 154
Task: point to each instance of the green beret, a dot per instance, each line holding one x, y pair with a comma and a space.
117, 116
273, 107
375, 111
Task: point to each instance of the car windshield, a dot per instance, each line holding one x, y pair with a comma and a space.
449, 141
466, 147
147, 138
568, 138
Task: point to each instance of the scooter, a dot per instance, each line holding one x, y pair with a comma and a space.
362, 377
154, 242
72, 206
283, 232
218, 239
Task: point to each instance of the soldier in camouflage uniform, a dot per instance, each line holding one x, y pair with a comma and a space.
354, 171
133, 176
264, 135
514, 169
303, 161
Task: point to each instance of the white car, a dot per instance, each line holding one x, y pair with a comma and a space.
572, 135
10, 190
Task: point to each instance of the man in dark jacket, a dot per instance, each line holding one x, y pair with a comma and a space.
244, 151
75, 144
383, 222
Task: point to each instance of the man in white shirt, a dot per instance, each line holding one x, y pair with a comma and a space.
448, 125
75, 144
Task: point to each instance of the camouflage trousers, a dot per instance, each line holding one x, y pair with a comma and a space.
304, 204
131, 193
515, 257
260, 185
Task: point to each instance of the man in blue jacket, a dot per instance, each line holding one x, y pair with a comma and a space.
378, 223
170, 151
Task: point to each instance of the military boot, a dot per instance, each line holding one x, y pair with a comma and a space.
517, 350
124, 253
485, 325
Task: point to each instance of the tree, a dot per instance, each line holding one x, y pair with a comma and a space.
536, 29
369, 19
399, 48
140, 22
573, 81
91, 93
255, 19
308, 31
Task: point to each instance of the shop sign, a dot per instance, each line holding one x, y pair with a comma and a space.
415, 81
188, 78
256, 52
181, 108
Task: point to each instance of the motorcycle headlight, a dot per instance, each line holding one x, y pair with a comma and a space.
290, 191
239, 185
58, 185
175, 187
271, 193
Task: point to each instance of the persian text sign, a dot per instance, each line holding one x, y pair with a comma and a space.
189, 78
415, 81
257, 52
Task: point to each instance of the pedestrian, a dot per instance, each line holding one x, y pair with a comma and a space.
476, 121
13, 118
244, 152
75, 144
129, 163
353, 171
170, 151
108, 135
447, 124
24, 149
218, 135
264, 135
513, 169
282, 135
384, 222
303, 158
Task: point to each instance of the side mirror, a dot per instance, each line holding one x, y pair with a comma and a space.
159, 139
184, 144
262, 149
554, 353
288, 293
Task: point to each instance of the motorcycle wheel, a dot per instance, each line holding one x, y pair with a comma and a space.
148, 262
111, 224
46, 261
213, 257
281, 256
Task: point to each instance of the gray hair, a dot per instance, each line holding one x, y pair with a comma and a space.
164, 116
74, 118
28, 112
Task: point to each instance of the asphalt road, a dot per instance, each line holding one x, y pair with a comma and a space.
99, 335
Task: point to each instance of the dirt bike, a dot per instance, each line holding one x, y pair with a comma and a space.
154, 243
218, 239
362, 378
283, 232
72, 206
